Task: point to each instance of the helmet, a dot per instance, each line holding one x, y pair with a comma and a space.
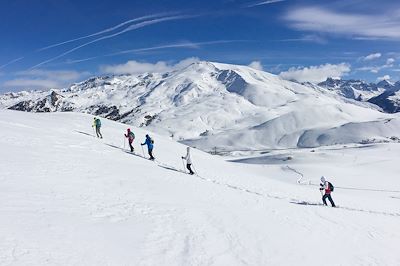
128, 129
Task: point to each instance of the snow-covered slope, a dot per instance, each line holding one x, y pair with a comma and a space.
67, 198
209, 104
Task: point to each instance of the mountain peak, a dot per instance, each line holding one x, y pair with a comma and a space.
385, 84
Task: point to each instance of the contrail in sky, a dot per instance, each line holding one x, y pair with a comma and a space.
266, 3
12, 61
105, 30
193, 45
130, 28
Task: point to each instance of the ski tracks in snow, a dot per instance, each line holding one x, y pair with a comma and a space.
214, 181
10, 251
256, 193
266, 195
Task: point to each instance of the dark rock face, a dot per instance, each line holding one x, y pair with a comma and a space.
385, 85
388, 105
387, 100
51, 103
232, 80
346, 88
111, 112
26, 106
348, 92
149, 119
351, 83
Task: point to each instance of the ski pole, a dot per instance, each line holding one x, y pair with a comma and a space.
143, 151
183, 163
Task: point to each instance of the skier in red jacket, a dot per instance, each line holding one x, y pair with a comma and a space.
327, 187
131, 136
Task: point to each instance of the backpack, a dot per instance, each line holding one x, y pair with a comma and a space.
98, 122
152, 140
132, 135
330, 186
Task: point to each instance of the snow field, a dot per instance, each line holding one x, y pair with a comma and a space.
67, 198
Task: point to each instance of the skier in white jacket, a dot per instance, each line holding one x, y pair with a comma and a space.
188, 161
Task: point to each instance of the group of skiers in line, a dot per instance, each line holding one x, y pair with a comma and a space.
326, 187
148, 141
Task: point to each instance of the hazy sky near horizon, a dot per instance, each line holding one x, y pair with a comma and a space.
49, 43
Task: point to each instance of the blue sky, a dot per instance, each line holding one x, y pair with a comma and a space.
49, 43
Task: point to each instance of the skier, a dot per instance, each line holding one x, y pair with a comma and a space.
131, 136
188, 161
328, 187
149, 142
97, 126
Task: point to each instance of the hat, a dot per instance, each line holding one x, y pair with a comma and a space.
128, 129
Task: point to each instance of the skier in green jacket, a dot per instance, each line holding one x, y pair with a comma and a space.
97, 126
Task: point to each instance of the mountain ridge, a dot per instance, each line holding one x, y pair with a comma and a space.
381, 93
209, 104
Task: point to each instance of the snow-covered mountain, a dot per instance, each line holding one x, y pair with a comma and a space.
353, 89
389, 101
211, 105
383, 94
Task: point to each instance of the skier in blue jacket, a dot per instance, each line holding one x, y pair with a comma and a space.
149, 142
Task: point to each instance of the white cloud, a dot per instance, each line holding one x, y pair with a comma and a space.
32, 83
389, 62
317, 19
256, 65
375, 69
135, 67
306, 38
61, 75
44, 79
372, 69
385, 77
372, 56
316, 74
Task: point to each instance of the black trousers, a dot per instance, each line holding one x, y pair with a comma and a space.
151, 154
130, 145
329, 197
188, 166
